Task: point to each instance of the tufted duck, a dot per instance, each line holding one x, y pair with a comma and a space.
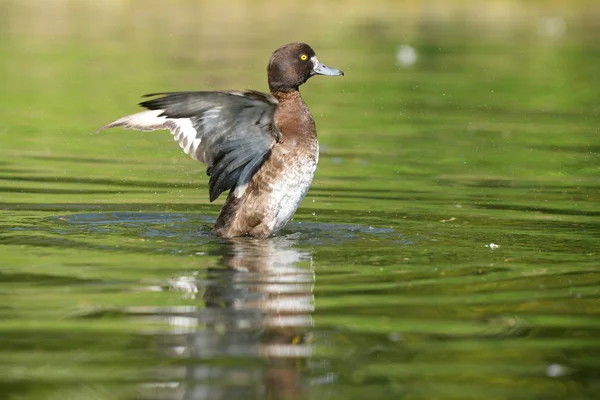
262, 147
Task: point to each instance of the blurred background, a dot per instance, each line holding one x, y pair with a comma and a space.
416, 72
448, 248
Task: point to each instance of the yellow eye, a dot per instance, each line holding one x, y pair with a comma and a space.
304, 57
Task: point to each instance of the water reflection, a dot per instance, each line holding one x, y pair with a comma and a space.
257, 305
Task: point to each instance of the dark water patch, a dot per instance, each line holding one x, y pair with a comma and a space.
63, 243
101, 181
534, 186
52, 341
537, 209
107, 207
589, 149
359, 190
12, 171
66, 191
43, 279
125, 218
78, 160
368, 196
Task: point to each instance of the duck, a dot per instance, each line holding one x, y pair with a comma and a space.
261, 147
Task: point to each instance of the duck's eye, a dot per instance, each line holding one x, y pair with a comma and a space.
304, 57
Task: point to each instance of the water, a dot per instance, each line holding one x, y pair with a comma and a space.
449, 247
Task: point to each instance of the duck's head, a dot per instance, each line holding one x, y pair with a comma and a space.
291, 65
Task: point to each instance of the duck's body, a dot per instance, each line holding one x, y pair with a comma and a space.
263, 148
279, 186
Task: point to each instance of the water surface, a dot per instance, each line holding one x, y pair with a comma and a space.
449, 247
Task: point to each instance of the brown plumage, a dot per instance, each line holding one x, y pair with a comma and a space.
261, 147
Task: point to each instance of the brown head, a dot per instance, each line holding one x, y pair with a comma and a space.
291, 65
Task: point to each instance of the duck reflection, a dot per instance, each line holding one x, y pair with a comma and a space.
250, 339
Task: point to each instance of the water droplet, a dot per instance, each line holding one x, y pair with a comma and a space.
406, 55
555, 370
394, 337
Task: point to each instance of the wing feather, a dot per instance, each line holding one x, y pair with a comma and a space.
232, 132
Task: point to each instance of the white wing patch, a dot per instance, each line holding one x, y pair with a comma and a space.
240, 190
182, 129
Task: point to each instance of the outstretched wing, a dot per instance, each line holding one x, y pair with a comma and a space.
233, 132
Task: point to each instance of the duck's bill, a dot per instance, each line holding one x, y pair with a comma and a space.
322, 69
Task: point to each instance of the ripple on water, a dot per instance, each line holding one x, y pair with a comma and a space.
156, 225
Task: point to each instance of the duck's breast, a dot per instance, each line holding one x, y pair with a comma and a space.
290, 185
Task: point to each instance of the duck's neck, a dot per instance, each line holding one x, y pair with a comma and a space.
292, 116
287, 96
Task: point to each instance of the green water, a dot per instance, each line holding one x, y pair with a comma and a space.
384, 286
